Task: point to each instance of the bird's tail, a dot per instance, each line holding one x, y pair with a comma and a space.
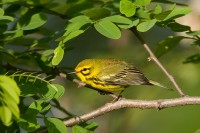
158, 84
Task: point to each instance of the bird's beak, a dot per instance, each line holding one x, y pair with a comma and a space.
71, 72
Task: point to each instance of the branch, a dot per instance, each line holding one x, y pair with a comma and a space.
127, 103
155, 59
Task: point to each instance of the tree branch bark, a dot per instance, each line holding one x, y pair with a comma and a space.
157, 62
128, 103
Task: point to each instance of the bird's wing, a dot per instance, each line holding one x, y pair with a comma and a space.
123, 75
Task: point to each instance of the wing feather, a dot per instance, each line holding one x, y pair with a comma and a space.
124, 75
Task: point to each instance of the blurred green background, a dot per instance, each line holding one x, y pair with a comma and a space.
130, 120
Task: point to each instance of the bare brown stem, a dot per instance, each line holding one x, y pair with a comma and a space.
155, 59
127, 103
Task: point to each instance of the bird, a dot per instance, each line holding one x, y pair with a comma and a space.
111, 75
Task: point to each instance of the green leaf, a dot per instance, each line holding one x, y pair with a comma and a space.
134, 23
8, 1
127, 8
178, 13
74, 27
35, 21
48, 52
97, 13
193, 59
122, 22
142, 13
38, 106
1, 12
176, 27
14, 34
147, 25
108, 29
196, 42
197, 131
81, 19
142, 2
28, 122
193, 33
72, 35
37, 2
118, 19
6, 115
169, 2
60, 91
158, 9
9, 98
173, 13
55, 125
167, 44
92, 126
79, 129
6, 19
58, 55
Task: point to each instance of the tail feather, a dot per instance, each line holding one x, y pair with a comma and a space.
158, 84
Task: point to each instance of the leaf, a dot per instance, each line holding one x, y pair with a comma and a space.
127, 8
9, 99
38, 106
6, 115
1, 12
147, 25
36, 2
193, 59
60, 91
14, 34
178, 13
92, 126
176, 27
193, 33
169, 2
108, 29
79, 129
81, 19
142, 2
122, 22
74, 27
134, 23
158, 9
97, 13
48, 52
55, 125
196, 42
6, 19
72, 35
28, 122
35, 21
142, 13
119, 19
173, 13
58, 55
197, 131
167, 44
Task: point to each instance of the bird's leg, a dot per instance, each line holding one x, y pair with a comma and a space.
118, 97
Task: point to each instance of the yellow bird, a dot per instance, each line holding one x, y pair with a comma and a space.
111, 75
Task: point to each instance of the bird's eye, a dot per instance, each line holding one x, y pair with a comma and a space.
85, 71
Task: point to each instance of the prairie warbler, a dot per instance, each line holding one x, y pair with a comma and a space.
111, 75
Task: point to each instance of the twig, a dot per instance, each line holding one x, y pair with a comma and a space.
154, 58
127, 103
